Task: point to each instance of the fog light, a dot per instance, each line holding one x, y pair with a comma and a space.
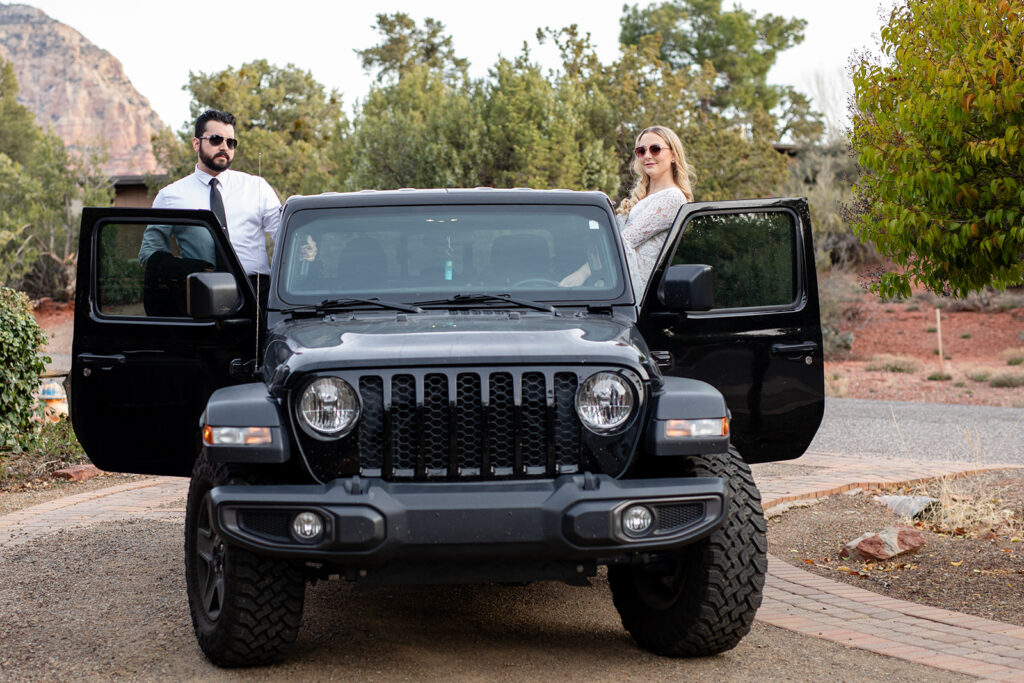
637, 520
307, 525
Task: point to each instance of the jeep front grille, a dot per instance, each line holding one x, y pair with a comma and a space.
461, 424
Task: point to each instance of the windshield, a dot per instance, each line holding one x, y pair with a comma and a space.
410, 253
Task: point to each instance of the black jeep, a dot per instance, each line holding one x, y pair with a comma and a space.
422, 401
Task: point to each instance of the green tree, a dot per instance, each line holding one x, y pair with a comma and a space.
44, 187
740, 46
18, 130
406, 46
419, 131
731, 159
938, 132
68, 181
285, 122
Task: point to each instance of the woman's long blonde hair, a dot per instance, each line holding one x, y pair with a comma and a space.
681, 171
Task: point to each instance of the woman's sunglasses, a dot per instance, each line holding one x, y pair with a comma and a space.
641, 150
216, 140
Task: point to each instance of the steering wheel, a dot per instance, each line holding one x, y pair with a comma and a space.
535, 281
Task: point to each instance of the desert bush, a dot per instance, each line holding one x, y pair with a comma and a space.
1014, 356
839, 301
20, 367
939, 377
1007, 381
979, 376
885, 362
982, 301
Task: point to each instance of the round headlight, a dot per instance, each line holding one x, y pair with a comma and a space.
604, 402
329, 407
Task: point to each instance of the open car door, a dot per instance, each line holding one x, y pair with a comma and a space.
141, 368
760, 345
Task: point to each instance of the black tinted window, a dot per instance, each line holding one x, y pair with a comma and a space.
753, 256
141, 269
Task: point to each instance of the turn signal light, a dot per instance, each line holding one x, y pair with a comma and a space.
236, 436
681, 429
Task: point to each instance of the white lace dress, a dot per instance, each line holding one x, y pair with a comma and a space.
644, 232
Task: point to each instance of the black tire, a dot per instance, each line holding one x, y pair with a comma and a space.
246, 608
704, 600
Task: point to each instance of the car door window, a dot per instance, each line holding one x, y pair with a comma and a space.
141, 269
753, 254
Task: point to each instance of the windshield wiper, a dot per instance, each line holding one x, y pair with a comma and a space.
328, 305
482, 297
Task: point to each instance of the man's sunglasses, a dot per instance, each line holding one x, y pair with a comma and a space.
641, 150
216, 140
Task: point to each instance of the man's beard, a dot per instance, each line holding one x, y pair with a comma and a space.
214, 162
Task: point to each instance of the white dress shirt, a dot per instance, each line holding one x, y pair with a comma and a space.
251, 207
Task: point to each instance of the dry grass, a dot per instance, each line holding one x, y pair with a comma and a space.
835, 385
889, 363
970, 506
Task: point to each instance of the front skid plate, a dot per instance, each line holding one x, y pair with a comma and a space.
373, 521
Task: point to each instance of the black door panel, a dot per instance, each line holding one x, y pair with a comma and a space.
142, 371
761, 345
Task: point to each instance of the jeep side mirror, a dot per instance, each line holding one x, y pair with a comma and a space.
212, 296
687, 288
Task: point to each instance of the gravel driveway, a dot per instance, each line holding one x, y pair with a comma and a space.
922, 431
108, 602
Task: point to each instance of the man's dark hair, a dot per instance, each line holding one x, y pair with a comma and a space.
213, 115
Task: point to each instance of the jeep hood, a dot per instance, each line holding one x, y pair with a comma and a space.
470, 339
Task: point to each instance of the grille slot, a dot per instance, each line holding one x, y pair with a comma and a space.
262, 523
675, 517
465, 425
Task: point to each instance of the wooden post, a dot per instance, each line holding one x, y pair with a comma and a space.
938, 333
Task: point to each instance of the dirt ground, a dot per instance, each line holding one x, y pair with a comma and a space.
970, 567
894, 351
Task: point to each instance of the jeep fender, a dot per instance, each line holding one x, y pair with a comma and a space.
246, 405
685, 399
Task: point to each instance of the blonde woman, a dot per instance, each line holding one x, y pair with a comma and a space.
662, 186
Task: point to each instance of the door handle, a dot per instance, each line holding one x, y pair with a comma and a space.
100, 361
795, 351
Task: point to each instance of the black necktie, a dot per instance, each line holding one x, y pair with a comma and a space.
217, 204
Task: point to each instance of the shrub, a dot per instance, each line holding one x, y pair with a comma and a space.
1007, 381
20, 367
889, 363
1013, 356
55, 448
979, 376
939, 377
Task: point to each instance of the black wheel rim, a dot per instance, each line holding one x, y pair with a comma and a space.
660, 588
210, 568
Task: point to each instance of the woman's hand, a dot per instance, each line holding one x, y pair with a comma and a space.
577, 277
307, 252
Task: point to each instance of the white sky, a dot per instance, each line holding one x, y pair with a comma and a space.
158, 45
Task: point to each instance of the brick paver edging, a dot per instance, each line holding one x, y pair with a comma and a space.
806, 603
143, 498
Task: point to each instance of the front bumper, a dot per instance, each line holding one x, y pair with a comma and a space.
372, 521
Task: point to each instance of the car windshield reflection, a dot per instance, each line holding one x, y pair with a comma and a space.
417, 253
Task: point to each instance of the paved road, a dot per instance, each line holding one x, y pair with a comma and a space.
921, 431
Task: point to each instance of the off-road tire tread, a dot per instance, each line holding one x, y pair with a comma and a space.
264, 596
727, 577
